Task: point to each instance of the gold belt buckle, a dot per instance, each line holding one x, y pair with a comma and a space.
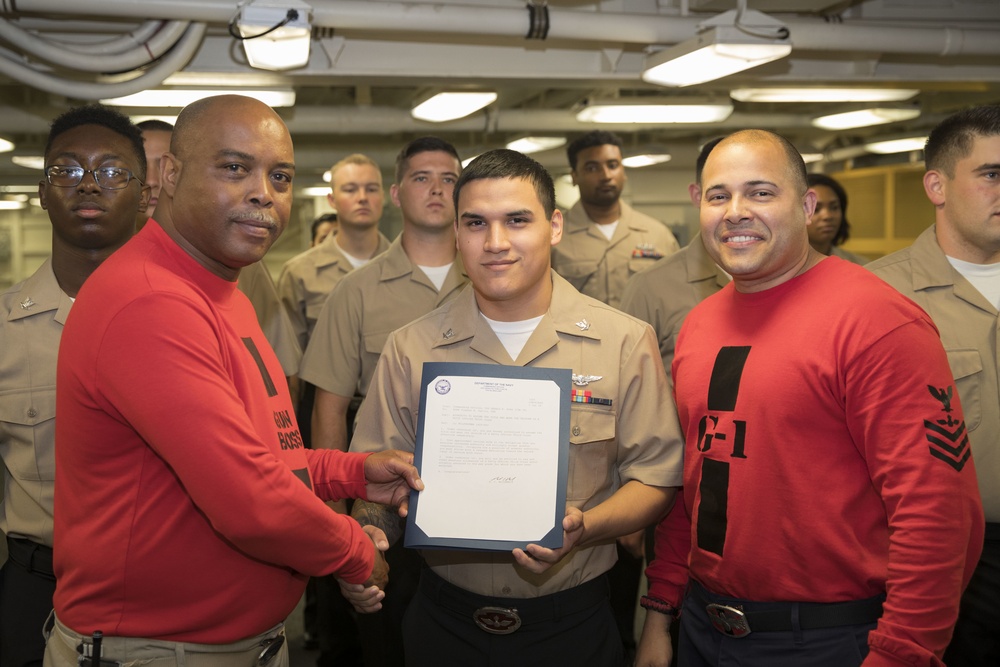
497, 620
729, 621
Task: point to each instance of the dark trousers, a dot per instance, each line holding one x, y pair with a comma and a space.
26, 588
382, 632
976, 642
574, 627
701, 645
624, 577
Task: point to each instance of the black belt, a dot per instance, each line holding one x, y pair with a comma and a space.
500, 615
738, 618
34, 557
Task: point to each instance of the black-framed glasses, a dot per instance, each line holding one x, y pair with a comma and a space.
109, 178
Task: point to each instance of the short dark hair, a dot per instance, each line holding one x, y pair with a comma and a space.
844, 231
326, 217
155, 125
699, 164
423, 145
952, 139
508, 164
98, 114
589, 140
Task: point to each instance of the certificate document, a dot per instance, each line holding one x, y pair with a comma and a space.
493, 449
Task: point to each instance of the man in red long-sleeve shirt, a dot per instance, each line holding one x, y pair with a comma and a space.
188, 514
834, 509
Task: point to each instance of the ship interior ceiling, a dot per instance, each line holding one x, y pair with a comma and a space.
370, 62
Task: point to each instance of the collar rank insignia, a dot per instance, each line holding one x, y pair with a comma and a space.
27, 304
450, 333
583, 324
584, 380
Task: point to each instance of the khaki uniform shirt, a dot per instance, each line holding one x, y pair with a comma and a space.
32, 314
967, 322
600, 268
836, 251
665, 293
256, 283
364, 308
309, 277
637, 437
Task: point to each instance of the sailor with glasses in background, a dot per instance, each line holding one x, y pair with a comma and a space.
92, 191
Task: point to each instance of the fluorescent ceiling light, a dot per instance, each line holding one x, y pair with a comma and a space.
782, 95
327, 176
901, 145
6, 146
316, 191
29, 161
8, 205
720, 49
662, 112
275, 34
536, 144
467, 161
181, 97
29, 189
451, 106
864, 118
809, 158
646, 159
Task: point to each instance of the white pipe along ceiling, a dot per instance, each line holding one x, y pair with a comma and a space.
371, 61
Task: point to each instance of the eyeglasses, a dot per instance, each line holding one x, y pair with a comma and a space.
109, 178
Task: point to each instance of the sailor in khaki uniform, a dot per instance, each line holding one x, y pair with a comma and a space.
308, 278
665, 293
605, 241
418, 273
952, 271
625, 456
90, 220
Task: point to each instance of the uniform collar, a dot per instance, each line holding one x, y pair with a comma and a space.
40, 293
329, 252
397, 264
931, 268
567, 315
699, 264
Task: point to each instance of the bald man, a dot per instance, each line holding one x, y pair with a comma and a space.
188, 514
834, 511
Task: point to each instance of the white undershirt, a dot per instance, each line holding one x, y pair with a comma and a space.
984, 277
514, 335
609, 229
436, 274
356, 262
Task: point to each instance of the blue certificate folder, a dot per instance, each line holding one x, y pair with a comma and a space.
436, 378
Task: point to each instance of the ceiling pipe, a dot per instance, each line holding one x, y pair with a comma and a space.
173, 61
566, 24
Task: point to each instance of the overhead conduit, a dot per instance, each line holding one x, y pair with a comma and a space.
135, 51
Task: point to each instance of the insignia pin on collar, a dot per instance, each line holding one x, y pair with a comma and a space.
583, 324
448, 334
27, 304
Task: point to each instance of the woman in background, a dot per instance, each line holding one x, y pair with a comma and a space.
828, 227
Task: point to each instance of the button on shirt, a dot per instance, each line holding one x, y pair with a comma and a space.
32, 314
